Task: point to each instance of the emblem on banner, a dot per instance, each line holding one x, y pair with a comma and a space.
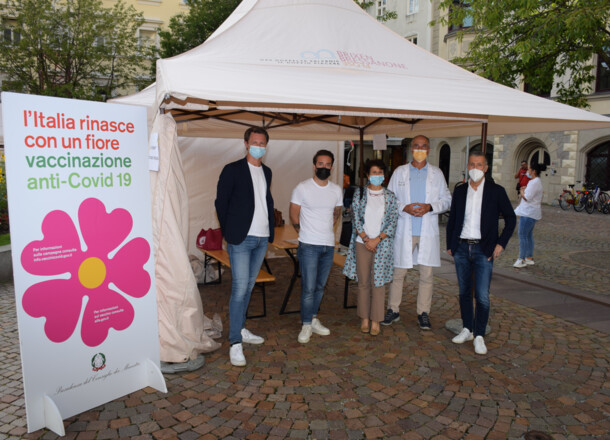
98, 362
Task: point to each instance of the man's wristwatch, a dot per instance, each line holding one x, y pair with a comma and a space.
430, 208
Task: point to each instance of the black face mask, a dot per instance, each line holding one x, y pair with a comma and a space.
322, 173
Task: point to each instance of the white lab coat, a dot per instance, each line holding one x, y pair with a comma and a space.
437, 195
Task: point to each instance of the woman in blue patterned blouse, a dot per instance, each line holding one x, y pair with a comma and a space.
370, 259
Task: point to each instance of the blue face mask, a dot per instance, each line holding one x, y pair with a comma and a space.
257, 152
529, 176
376, 180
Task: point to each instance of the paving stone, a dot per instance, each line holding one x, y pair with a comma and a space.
542, 372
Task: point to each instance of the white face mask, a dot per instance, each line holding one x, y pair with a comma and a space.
476, 174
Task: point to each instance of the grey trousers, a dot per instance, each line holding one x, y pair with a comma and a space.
424, 294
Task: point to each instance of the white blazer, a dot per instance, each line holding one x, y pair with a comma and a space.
437, 195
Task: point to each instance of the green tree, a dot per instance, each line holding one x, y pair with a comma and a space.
70, 48
189, 30
546, 43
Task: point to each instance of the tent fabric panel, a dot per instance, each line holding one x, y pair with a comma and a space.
184, 330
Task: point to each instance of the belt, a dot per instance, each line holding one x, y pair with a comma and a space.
469, 241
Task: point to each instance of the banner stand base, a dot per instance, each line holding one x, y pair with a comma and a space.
52, 417
155, 377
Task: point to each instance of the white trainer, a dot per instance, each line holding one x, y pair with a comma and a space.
520, 263
250, 338
305, 334
479, 345
236, 353
318, 328
465, 335
529, 261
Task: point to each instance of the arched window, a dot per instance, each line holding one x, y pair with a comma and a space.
539, 155
598, 166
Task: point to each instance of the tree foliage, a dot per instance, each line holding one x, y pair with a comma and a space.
546, 43
70, 48
189, 30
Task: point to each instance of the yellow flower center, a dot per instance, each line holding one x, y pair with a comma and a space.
92, 272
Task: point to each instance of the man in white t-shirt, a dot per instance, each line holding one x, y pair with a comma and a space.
245, 211
315, 206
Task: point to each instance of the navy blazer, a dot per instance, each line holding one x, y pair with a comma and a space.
495, 202
235, 201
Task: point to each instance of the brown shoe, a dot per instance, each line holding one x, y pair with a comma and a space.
364, 326
375, 328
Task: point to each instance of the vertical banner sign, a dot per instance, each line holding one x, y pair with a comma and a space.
81, 239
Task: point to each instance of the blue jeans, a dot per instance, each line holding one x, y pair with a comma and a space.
472, 264
246, 259
526, 237
315, 262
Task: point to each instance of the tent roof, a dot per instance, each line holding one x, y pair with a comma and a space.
326, 69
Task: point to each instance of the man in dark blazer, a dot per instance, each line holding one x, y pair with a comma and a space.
474, 242
245, 211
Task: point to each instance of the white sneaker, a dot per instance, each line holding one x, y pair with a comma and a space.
479, 345
529, 261
465, 335
250, 338
318, 328
520, 263
236, 353
305, 334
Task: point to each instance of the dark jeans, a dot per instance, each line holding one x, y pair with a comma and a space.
315, 262
472, 265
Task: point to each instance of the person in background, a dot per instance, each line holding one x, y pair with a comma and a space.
245, 212
530, 211
370, 258
422, 195
315, 206
474, 242
521, 177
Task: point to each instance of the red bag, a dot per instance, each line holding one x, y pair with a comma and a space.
210, 239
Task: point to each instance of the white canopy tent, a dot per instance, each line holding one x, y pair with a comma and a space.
306, 70
337, 71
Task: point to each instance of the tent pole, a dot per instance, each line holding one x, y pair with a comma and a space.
484, 138
361, 171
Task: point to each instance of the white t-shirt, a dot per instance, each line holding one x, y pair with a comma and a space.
472, 214
533, 193
373, 214
260, 220
317, 206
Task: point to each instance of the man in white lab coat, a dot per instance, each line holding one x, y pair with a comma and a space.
422, 195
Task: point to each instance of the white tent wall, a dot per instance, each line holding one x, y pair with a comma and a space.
184, 330
203, 159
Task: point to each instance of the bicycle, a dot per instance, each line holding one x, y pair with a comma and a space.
596, 200
568, 198
606, 207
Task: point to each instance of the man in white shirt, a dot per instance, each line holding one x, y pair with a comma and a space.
422, 194
245, 211
474, 243
315, 206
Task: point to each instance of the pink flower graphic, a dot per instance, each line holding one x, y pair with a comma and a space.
91, 271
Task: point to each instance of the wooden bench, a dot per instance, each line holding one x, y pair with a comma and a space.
339, 260
221, 256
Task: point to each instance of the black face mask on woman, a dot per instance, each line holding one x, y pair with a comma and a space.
322, 173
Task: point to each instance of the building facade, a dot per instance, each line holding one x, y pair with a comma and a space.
572, 157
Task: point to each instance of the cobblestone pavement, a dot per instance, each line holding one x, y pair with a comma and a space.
571, 248
541, 374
